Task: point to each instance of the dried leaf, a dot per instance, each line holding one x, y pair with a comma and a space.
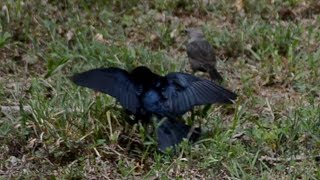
69, 35
239, 4
99, 37
173, 33
30, 58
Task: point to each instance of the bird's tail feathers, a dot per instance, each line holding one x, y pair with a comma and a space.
171, 132
215, 75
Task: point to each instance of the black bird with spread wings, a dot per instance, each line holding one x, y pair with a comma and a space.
145, 94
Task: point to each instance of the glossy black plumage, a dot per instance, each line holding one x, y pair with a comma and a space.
144, 94
172, 132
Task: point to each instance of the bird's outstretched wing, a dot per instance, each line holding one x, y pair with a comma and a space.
201, 51
185, 91
113, 81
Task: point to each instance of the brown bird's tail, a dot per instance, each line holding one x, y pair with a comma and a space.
215, 75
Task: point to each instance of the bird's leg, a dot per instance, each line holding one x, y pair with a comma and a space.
130, 118
192, 110
203, 113
205, 110
193, 115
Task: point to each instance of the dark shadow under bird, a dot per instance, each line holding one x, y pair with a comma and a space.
145, 94
201, 54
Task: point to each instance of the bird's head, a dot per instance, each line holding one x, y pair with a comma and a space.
141, 71
143, 75
194, 34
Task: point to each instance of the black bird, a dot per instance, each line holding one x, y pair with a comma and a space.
146, 94
171, 132
201, 54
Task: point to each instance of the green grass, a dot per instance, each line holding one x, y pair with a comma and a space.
270, 60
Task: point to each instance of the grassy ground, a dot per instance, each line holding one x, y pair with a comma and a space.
268, 53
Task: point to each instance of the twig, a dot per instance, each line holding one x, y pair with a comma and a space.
297, 158
15, 109
28, 109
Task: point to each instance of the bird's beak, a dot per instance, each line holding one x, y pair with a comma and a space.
185, 31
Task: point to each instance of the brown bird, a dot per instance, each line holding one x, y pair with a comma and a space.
201, 54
